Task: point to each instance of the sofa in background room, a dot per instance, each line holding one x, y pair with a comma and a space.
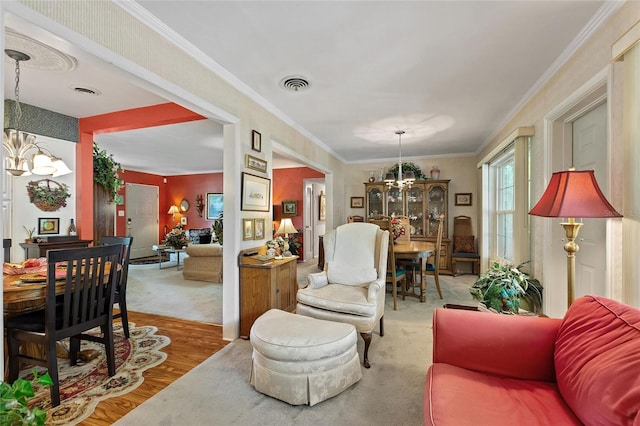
204, 260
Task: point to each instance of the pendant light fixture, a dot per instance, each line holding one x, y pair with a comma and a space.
404, 180
19, 144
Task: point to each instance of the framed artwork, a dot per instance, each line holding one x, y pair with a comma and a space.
258, 231
290, 208
256, 193
183, 221
255, 163
357, 202
256, 141
463, 199
48, 225
322, 203
215, 205
248, 229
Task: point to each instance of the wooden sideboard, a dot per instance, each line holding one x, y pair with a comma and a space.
39, 249
265, 285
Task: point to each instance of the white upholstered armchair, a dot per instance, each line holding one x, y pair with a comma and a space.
351, 288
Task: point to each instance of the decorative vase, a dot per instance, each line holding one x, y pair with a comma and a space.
435, 173
372, 178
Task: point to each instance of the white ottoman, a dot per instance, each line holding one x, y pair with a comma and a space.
302, 360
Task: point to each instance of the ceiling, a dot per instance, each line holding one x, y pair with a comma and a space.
447, 72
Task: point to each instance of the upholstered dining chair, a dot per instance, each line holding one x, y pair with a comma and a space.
121, 289
351, 289
464, 245
86, 281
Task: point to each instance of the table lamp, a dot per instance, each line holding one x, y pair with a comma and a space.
173, 210
572, 194
286, 227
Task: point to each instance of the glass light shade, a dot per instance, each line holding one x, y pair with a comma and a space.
61, 167
573, 194
389, 177
409, 176
42, 164
173, 210
286, 227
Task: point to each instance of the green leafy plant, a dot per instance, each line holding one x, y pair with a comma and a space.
14, 407
106, 171
176, 238
46, 197
502, 286
407, 167
217, 227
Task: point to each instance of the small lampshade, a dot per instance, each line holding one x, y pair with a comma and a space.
173, 210
389, 177
61, 167
573, 194
286, 227
42, 164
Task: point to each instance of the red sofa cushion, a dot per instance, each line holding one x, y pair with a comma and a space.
597, 361
467, 397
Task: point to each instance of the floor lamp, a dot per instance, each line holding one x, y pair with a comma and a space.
572, 194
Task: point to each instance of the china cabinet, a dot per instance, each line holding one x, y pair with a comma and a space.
423, 203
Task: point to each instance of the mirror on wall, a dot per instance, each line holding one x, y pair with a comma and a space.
184, 205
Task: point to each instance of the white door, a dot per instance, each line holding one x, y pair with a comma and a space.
142, 218
590, 153
309, 209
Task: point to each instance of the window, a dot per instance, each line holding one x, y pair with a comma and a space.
504, 171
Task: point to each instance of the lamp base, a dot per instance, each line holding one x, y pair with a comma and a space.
286, 254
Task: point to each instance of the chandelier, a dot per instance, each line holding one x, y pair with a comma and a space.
404, 180
19, 144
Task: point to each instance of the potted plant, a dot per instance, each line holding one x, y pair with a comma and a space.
46, 197
30, 232
502, 286
407, 167
176, 238
106, 171
14, 402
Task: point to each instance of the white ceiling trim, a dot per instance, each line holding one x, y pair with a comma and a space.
144, 16
601, 15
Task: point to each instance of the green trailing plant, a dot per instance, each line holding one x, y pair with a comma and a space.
407, 167
502, 286
46, 197
217, 227
14, 407
106, 171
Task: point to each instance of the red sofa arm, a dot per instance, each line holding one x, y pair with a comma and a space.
505, 345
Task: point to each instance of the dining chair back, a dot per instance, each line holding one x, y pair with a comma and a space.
432, 268
6, 246
355, 218
85, 281
405, 236
121, 289
384, 222
395, 274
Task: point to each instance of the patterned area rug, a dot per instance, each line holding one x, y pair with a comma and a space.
83, 386
148, 260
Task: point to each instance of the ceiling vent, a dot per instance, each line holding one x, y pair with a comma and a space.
295, 83
86, 90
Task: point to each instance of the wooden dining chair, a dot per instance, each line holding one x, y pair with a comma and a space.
121, 289
88, 277
432, 267
395, 274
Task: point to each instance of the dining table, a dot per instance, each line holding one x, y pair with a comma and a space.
418, 251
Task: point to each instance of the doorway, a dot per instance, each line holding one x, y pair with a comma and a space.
142, 213
314, 225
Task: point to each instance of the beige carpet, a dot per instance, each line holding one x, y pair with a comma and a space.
165, 292
217, 392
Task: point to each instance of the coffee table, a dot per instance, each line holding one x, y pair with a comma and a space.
165, 249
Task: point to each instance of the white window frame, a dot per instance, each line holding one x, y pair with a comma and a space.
503, 210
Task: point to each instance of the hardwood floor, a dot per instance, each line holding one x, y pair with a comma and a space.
191, 343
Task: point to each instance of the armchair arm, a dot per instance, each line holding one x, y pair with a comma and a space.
317, 280
504, 345
374, 289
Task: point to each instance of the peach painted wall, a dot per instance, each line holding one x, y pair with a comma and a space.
287, 185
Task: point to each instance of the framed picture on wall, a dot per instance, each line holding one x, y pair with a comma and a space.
322, 204
290, 208
48, 225
463, 199
256, 141
215, 205
248, 229
357, 202
258, 229
256, 193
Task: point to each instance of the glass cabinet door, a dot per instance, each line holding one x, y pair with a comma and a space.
395, 205
437, 197
374, 200
415, 208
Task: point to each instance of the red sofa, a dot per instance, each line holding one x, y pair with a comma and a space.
493, 369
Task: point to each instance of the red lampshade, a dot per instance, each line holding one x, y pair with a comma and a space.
573, 194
